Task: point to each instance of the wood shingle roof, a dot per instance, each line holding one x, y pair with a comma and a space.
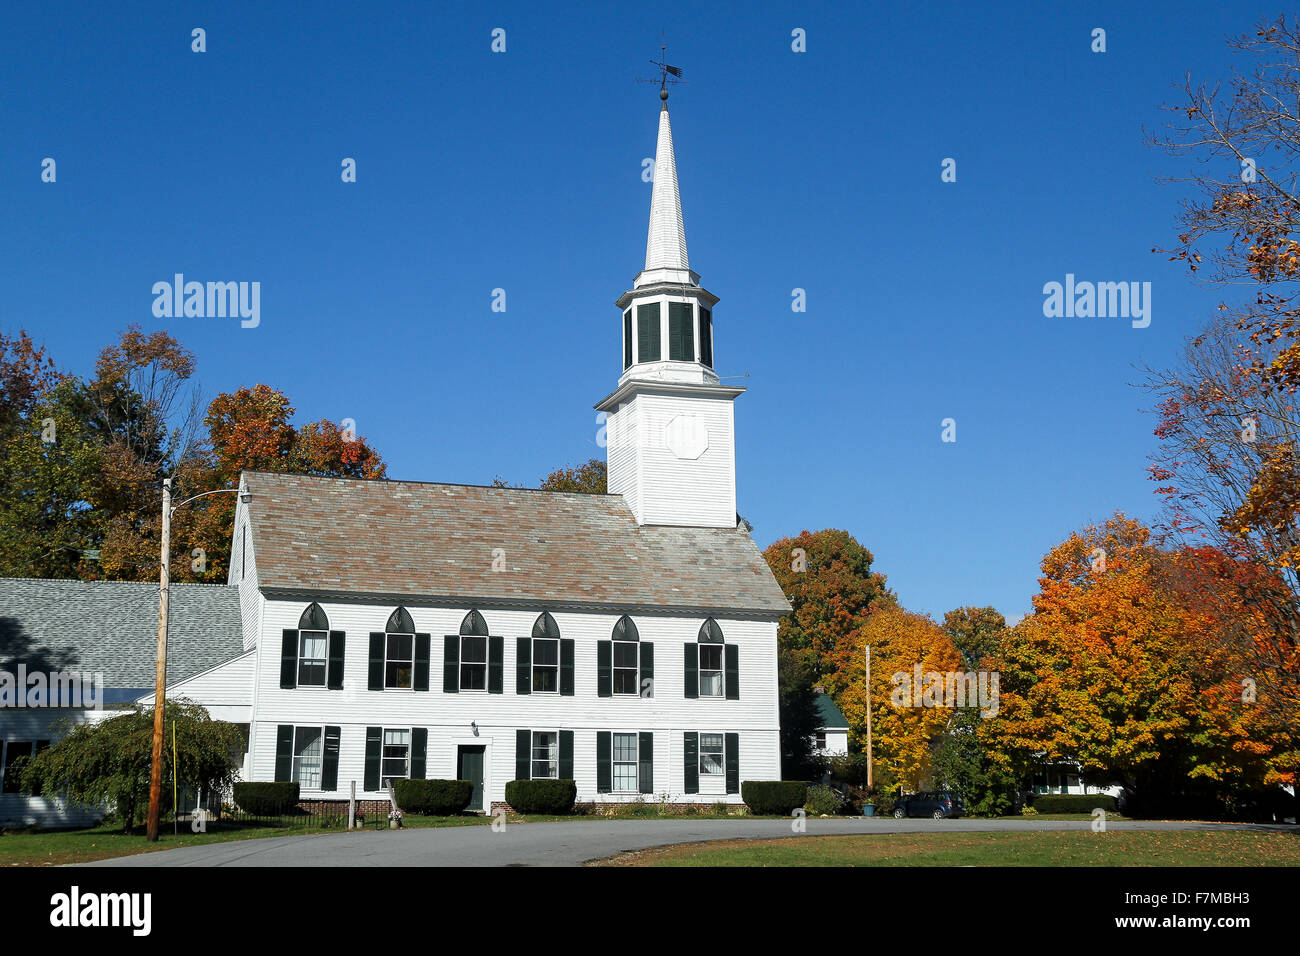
439, 542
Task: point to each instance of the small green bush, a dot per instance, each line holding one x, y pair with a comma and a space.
774, 797
436, 798
265, 799
541, 796
823, 800
1073, 802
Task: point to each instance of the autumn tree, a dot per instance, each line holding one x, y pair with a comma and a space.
591, 477
1114, 670
903, 736
1229, 462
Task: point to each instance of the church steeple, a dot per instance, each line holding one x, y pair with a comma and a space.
670, 424
665, 246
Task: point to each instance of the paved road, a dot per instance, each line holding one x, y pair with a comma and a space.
568, 844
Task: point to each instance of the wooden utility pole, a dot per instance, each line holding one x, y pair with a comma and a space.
868, 697
160, 673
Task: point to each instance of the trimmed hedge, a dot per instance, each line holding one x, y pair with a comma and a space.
438, 798
1073, 802
774, 797
263, 799
541, 796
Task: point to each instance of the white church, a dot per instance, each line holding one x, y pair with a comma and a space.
627, 641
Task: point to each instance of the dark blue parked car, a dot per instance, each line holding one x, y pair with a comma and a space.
938, 804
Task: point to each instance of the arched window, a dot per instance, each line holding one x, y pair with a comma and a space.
712, 665
473, 652
544, 654
399, 649
626, 652
625, 663
311, 655
313, 646
543, 660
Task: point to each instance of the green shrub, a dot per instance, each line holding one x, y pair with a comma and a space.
264, 799
823, 800
774, 797
437, 798
1073, 802
541, 796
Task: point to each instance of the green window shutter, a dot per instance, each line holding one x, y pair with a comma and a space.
565, 769
329, 775
647, 332
731, 668
706, 337
645, 774
496, 665
604, 762
627, 339
691, 653
284, 752
733, 763
605, 669
523, 754
419, 751
691, 761
566, 667
451, 664
647, 663
334, 676
289, 659
375, 674
420, 671
374, 744
681, 334
523, 665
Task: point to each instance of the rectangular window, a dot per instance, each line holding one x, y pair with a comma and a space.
546, 665
625, 754
627, 339
681, 332
820, 740
307, 757
399, 662
13, 751
625, 655
396, 756
706, 337
473, 663
647, 332
711, 754
311, 658
546, 755
710, 670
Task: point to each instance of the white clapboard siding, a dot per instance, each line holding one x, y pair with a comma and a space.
687, 491
226, 691
449, 717
621, 434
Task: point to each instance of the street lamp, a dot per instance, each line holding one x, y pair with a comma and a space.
160, 673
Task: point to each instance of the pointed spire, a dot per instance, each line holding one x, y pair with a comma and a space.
665, 246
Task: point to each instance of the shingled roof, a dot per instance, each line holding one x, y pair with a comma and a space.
415, 540
111, 628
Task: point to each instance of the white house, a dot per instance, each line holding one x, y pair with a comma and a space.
78, 651
627, 641
831, 735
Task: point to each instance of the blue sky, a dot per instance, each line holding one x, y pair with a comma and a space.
522, 170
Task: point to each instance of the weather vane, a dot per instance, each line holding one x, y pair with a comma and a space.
667, 73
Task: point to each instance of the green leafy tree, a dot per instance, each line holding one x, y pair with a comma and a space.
796, 681
108, 764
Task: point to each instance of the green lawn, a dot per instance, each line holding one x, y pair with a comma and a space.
56, 847
1067, 848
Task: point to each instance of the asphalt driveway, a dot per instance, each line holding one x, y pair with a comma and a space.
569, 844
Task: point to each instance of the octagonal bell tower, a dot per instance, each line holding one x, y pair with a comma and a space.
670, 424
